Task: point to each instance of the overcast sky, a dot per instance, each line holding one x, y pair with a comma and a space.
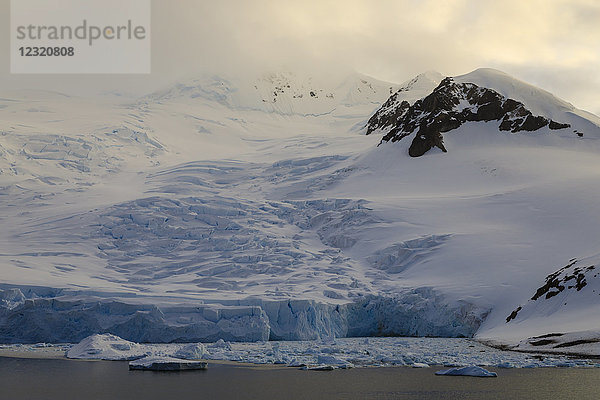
554, 44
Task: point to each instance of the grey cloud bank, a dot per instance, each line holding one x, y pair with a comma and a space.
552, 44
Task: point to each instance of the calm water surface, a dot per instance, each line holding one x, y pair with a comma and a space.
89, 380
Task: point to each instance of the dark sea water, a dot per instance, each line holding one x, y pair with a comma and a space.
39, 379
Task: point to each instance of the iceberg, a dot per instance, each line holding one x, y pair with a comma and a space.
191, 351
166, 364
325, 359
472, 370
106, 347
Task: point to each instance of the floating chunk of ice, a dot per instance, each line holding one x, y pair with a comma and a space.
319, 368
296, 363
472, 370
166, 364
325, 359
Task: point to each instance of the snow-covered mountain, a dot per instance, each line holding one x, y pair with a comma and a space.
483, 95
257, 209
280, 94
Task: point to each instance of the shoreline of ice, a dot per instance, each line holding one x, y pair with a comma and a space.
335, 353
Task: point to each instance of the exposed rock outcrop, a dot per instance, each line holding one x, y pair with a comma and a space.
449, 106
570, 278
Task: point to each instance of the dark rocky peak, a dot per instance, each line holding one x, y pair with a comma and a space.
449, 106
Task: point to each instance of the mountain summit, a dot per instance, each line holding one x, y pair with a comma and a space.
485, 95
280, 93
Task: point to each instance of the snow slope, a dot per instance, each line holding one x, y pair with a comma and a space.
231, 209
539, 101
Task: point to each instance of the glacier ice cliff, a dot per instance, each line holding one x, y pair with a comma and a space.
53, 316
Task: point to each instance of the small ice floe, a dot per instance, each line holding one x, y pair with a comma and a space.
166, 364
420, 365
318, 368
566, 364
296, 364
472, 370
506, 364
325, 359
324, 362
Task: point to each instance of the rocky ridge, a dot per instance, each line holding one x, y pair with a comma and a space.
450, 105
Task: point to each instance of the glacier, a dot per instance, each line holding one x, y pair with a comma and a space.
50, 319
250, 211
